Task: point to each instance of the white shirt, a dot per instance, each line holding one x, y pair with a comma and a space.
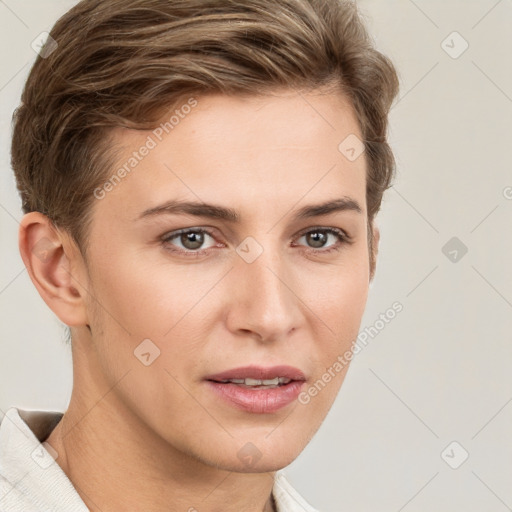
31, 480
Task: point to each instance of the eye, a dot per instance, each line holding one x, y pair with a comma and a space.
190, 239
317, 239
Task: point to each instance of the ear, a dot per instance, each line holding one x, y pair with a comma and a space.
55, 266
375, 250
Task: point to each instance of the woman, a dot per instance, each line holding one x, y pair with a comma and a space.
200, 181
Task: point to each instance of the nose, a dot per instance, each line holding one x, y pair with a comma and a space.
265, 299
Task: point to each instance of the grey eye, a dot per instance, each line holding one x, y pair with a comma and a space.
316, 238
188, 239
192, 240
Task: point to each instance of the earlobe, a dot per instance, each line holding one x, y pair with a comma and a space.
51, 260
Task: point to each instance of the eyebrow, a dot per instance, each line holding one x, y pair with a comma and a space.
213, 211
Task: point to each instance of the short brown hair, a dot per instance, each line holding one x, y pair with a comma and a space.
124, 63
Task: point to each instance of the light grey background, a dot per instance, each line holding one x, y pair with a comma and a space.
440, 371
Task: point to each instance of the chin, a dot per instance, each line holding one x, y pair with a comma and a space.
264, 465
257, 455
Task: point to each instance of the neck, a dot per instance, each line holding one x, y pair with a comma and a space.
116, 462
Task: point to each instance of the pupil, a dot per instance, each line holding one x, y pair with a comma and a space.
318, 238
192, 240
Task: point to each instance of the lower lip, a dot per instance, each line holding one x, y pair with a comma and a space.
258, 400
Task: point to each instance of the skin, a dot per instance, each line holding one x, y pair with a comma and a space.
157, 434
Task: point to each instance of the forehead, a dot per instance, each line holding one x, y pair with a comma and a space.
241, 149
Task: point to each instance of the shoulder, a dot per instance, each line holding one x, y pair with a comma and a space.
30, 480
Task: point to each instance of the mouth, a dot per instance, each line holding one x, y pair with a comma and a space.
264, 375
258, 389
256, 383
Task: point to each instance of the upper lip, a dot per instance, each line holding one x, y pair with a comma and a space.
260, 373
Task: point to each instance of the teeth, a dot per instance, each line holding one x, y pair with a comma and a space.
257, 382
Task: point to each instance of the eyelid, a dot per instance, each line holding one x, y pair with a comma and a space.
343, 239
174, 234
330, 229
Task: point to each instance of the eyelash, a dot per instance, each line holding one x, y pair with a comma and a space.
343, 238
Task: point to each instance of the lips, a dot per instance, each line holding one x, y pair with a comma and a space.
259, 373
264, 399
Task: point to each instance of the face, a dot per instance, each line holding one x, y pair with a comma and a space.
209, 292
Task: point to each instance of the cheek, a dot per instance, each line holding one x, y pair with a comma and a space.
339, 295
337, 310
145, 299
168, 305
341, 308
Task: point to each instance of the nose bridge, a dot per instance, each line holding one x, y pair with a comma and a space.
264, 300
